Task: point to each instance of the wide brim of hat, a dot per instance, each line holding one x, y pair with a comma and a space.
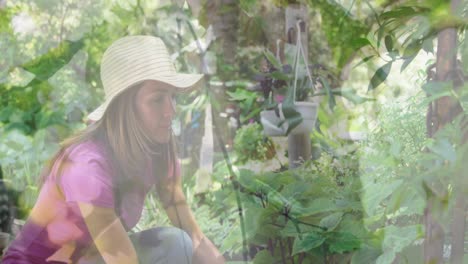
182, 83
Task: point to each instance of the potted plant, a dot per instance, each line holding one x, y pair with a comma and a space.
287, 90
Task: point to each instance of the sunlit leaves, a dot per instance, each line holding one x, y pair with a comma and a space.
349, 30
47, 65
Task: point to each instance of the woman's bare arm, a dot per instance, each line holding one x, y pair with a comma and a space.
180, 214
108, 234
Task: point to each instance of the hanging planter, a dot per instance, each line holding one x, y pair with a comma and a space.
292, 116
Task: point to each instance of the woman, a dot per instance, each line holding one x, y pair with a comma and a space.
94, 188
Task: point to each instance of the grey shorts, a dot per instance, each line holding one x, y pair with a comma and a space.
158, 245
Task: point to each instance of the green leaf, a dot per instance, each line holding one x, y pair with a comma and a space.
406, 62
266, 220
380, 76
233, 238
294, 190
360, 42
464, 52
463, 97
399, 12
445, 149
263, 257
343, 242
365, 255
240, 95
412, 49
252, 216
396, 238
386, 258
428, 45
280, 76
353, 223
272, 59
317, 206
350, 94
375, 193
389, 43
291, 230
331, 97
364, 60
331, 221
380, 33
310, 241
437, 88
291, 116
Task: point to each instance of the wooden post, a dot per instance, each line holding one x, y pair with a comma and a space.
299, 146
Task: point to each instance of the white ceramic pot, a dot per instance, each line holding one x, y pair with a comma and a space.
270, 120
308, 111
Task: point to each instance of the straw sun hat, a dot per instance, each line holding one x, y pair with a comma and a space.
133, 59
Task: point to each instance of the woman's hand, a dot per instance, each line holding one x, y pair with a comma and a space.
205, 252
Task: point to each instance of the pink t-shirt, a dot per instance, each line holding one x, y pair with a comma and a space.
87, 178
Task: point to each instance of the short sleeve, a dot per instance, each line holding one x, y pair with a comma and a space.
87, 179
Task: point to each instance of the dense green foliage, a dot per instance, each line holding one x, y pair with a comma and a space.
357, 201
251, 144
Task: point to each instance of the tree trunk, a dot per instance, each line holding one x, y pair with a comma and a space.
440, 113
223, 16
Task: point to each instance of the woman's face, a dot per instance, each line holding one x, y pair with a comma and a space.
156, 107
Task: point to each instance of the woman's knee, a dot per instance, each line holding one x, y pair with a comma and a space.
163, 245
175, 239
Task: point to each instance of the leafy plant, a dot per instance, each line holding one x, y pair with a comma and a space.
308, 215
251, 144
22, 158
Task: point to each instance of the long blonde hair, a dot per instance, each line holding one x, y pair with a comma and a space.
120, 131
